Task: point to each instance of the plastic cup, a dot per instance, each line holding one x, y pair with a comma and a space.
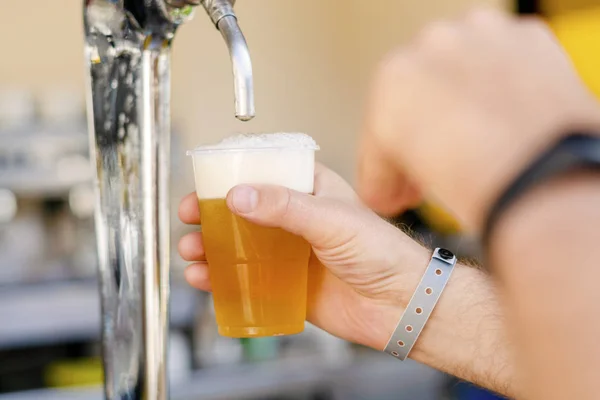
258, 274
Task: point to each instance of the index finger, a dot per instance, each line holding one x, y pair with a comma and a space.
330, 184
189, 212
381, 184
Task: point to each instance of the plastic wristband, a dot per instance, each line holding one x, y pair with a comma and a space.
421, 304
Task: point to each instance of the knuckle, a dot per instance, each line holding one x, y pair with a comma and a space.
286, 204
441, 35
395, 70
537, 32
392, 72
389, 67
276, 206
396, 77
537, 25
397, 62
486, 17
180, 248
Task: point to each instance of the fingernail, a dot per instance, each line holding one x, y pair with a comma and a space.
245, 199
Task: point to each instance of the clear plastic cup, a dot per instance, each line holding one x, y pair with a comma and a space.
258, 274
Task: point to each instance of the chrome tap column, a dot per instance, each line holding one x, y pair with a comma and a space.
127, 53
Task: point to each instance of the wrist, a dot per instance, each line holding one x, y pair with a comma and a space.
495, 180
412, 260
545, 215
465, 334
543, 251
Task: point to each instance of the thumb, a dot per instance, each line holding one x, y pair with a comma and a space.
323, 222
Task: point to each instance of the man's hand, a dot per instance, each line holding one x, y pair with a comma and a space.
458, 112
362, 271
362, 274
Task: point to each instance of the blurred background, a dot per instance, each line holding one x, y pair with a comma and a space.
312, 61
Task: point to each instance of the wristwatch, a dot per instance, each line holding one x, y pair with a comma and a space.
574, 152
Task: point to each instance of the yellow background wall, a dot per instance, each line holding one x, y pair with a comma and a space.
577, 26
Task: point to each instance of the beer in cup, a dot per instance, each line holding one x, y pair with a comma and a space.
258, 274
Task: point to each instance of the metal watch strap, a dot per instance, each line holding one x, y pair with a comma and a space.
421, 304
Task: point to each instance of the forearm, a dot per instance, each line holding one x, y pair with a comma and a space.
545, 252
465, 335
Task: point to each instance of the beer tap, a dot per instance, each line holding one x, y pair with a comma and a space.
127, 53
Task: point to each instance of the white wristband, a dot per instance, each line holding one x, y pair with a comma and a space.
421, 304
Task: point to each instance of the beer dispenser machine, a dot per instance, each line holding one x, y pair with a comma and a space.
127, 48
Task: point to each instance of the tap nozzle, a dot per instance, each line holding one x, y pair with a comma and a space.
222, 14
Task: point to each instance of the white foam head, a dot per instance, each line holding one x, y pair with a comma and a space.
284, 159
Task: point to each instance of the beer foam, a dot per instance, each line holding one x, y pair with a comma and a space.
283, 159
263, 141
